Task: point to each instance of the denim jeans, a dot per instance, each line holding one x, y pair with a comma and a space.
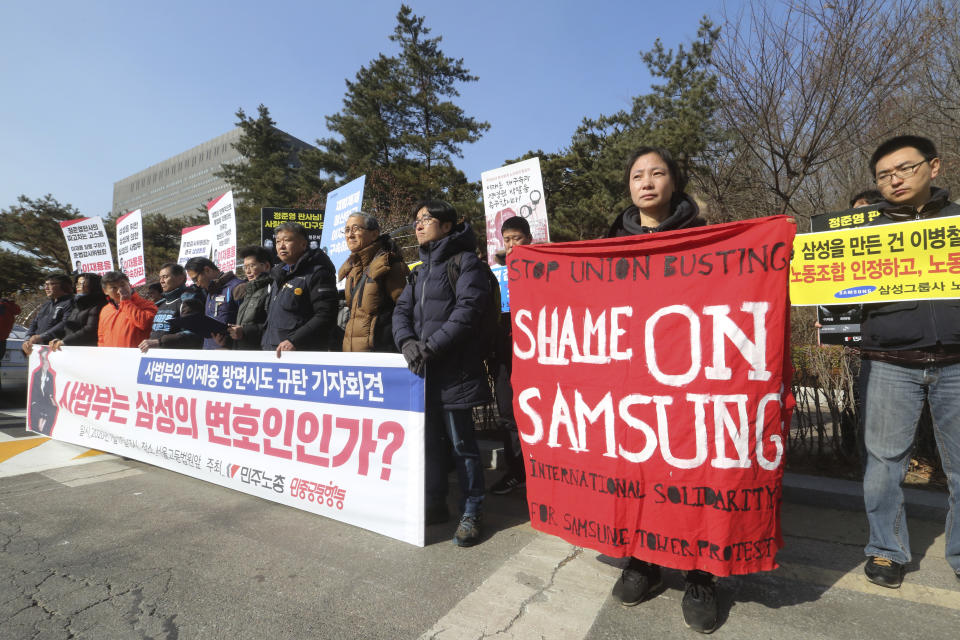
450, 432
892, 398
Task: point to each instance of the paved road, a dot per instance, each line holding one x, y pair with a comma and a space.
115, 548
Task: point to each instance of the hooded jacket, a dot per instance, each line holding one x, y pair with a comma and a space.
83, 321
252, 313
429, 311
168, 308
685, 215
375, 276
303, 303
126, 324
914, 324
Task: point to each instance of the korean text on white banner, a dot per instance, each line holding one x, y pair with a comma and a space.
88, 244
336, 434
514, 190
341, 203
194, 243
223, 231
130, 247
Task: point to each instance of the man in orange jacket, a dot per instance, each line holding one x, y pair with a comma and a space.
126, 319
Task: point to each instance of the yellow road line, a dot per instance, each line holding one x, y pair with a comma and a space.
10, 448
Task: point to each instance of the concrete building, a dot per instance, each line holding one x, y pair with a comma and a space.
181, 185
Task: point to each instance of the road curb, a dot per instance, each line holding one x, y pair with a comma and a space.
836, 493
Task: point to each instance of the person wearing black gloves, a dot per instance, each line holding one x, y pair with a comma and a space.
435, 324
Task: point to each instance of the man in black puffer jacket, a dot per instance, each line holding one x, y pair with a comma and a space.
436, 328
303, 295
252, 314
911, 352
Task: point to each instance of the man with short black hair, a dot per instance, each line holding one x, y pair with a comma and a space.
515, 232
163, 335
303, 298
224, 291
48, 323
252, 313
911, 352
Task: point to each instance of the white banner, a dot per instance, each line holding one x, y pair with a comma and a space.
336, 434
223, 231
88, 244
130, 247
514, 190
194, 242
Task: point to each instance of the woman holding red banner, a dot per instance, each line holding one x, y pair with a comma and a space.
656, 185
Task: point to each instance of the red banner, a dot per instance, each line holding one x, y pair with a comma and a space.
651, 380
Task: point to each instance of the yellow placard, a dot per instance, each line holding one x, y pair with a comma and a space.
916, 260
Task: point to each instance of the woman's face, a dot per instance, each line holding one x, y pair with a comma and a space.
651, 185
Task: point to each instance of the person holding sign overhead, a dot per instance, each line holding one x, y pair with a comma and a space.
656, 185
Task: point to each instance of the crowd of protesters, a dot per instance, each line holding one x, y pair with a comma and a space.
432, 315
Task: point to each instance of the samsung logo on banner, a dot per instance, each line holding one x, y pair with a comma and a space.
854, 292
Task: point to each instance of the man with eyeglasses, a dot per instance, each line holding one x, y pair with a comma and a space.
49, 321
911, 352
374, 276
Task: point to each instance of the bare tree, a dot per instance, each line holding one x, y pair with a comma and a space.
803, 82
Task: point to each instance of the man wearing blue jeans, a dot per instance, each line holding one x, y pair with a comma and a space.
911, 352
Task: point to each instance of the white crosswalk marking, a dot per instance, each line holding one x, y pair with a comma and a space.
549, 589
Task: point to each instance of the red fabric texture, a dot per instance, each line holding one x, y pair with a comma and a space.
651, 379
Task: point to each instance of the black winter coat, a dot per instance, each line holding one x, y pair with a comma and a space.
303, 304
82, 321
915, 324
48, 323
448, 323
168, 309
685, 215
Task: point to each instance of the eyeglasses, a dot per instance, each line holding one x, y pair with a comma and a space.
424, 221
903, 171
352, 230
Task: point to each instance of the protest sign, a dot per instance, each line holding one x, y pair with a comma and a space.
840, 323
194, 243
340, 204
223, 232
916, 260
651, 382
88, 245
130, 247
514, 190
311, 219
336, 434
500, 271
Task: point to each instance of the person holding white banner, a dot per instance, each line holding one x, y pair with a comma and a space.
126, 319
82, 323
48, 323
224, 291
303, 296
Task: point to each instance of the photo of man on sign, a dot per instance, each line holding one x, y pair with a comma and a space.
659, 436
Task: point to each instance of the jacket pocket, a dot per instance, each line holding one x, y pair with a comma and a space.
894, 324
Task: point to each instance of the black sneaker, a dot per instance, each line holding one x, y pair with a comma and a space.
636, 582
884, 572
507, 484
699, 606
468, 532
436, 514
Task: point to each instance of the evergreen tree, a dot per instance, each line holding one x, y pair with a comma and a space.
264, 176
33, 227
400, 127
584, 181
